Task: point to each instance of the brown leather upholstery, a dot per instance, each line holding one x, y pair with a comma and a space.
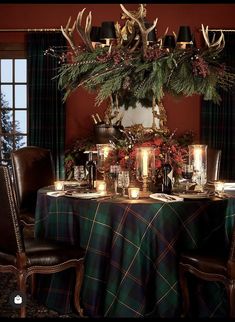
213, 164
26, 257
209, 265
32, 169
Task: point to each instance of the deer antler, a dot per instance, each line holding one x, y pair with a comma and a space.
68, 34
217, 45
140, 21
85, 33
160, 39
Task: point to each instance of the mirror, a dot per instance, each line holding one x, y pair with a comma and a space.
150, 118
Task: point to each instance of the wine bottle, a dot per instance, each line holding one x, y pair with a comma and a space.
91, 171
167, 176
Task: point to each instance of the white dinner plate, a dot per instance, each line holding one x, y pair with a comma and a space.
165, 198
199, 195
87, 195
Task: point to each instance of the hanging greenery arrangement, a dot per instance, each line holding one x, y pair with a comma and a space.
133, 70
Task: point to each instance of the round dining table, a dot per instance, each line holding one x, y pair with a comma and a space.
132, 252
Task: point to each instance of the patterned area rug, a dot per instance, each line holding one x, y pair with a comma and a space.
33, 309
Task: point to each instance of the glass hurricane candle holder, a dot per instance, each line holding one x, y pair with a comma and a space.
198, 159
145, 167
103, 151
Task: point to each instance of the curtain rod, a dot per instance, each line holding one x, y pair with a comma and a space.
28, 30
232, 30
58, 29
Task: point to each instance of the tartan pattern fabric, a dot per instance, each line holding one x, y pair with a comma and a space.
46, 110
132, 252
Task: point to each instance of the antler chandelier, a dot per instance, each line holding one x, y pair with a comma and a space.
130, 68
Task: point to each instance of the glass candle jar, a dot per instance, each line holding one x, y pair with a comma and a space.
219, 186
101, 186
133, 193
59, 185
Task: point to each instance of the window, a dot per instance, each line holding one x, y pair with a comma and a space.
13, 106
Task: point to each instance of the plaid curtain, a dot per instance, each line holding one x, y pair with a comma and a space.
218, 122
46, 110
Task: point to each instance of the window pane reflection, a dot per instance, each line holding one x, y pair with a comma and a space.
20, 121
6, 146
7, 121
6, 70
20, 141
7, 92
20, 71
20, 96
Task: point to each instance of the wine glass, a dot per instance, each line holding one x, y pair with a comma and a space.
123, 180
114, 171
79, 174
187, 174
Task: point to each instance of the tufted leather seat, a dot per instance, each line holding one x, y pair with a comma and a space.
32, 169
26, 257
209, 265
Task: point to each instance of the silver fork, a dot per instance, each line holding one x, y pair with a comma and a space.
167, 197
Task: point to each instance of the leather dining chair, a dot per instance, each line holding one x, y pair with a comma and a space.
33, 169
209, 265
27, 256
213, 164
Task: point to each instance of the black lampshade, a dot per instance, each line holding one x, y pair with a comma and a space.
107, 30
95, 34
169, 41
184, 35
152, 34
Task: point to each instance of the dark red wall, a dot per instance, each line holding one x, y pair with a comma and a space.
183, 113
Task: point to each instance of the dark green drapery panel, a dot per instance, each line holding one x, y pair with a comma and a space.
46, 110
218, 122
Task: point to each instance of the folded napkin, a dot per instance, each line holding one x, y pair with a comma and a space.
166, 198
56, 193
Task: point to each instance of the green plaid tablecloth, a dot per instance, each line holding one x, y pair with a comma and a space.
132, 252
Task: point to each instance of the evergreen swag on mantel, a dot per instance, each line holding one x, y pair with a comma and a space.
132, 70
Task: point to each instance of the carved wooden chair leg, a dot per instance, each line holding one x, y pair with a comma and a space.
21, 281
78, 285
231, 298
184, 290
33, 285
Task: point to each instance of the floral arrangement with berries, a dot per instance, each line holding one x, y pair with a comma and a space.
124, 150
165, 143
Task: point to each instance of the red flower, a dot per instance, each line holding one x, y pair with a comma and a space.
147, 143
157, 152
157, 141
158, 163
